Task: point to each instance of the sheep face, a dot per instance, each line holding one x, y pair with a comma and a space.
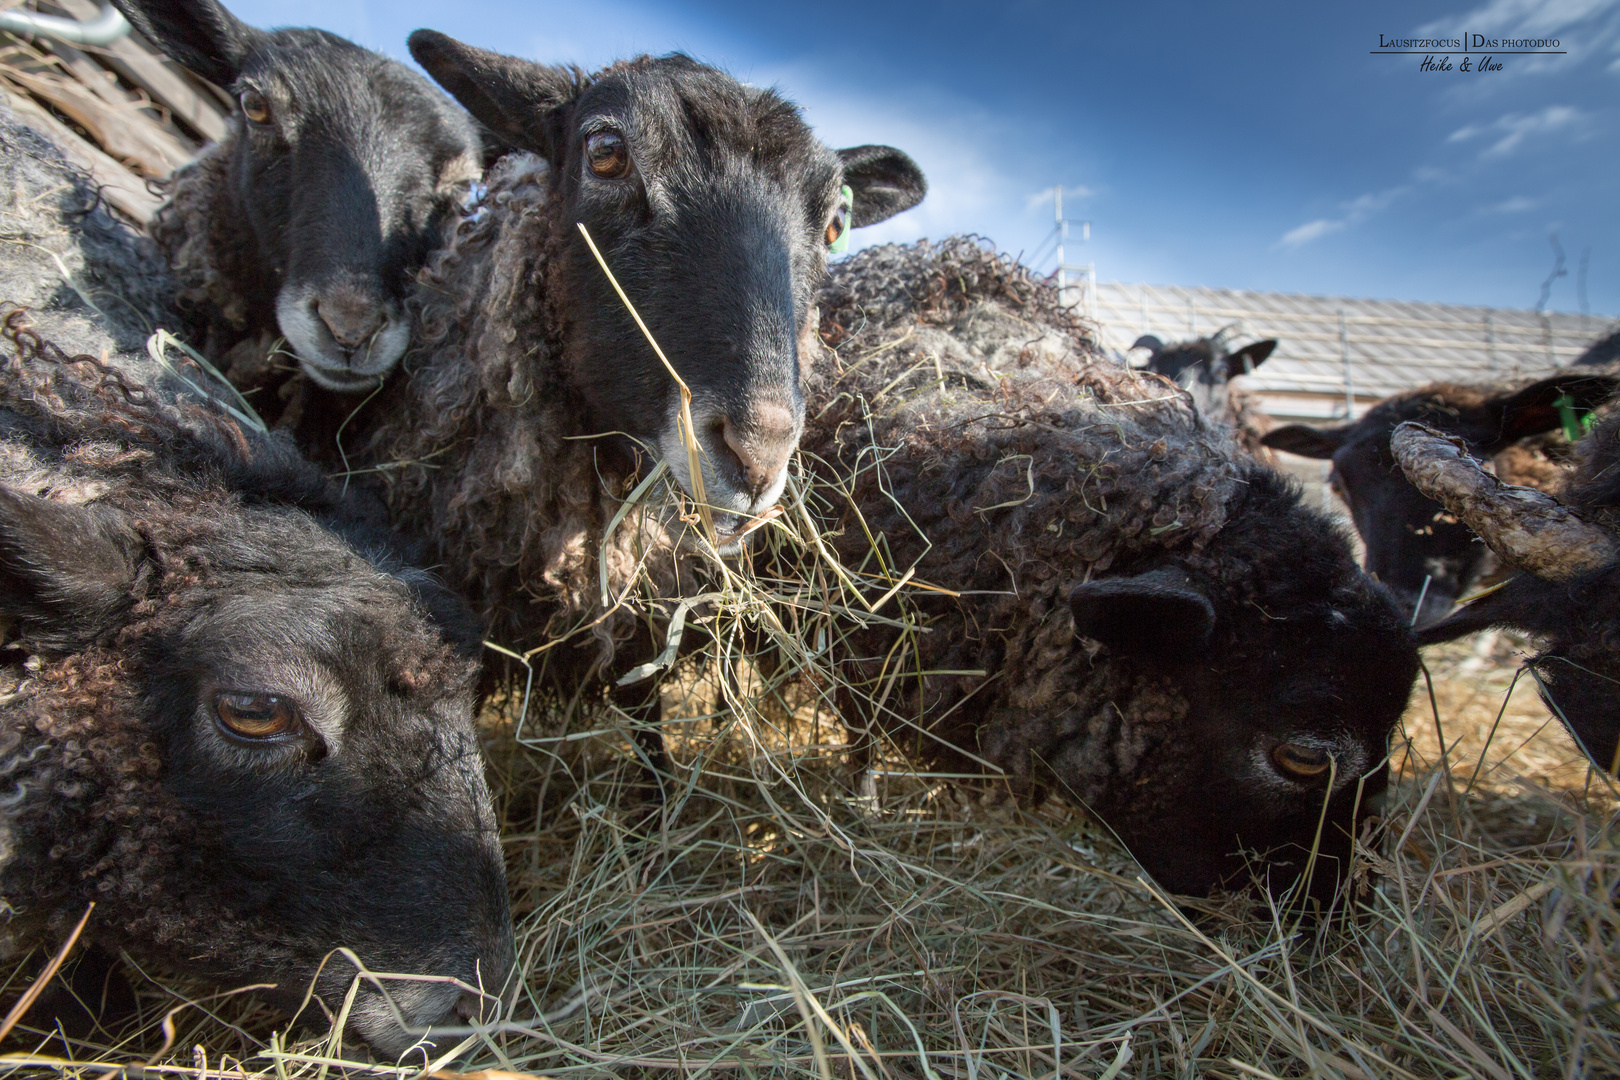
339, 168
250, 746
1203, 367
1409, 538
714, 206
1278, 725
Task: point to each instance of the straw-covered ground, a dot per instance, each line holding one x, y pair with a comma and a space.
773, 923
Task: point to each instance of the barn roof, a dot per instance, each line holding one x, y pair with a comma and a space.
1328, 344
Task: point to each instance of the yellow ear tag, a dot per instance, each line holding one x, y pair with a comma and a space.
846, 200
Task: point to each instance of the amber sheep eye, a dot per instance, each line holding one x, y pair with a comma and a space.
257, 716
255, 106
836, 227
1301, 761
607, 155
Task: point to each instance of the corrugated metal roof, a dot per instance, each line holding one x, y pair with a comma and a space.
1376, 347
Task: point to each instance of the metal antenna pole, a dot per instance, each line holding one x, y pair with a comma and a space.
1349, 379
1058, 224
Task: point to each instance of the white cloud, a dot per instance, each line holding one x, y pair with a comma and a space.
1311, 230
1522, 18
968, 190
1584, 28
1511, 129
1043, 197
1356, 210
1518, 204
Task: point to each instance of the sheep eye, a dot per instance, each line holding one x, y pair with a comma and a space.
257, 716
255, 106
1301, 761
607, 155
836, 227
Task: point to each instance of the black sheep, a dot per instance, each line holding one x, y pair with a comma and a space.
534, 405
230, 713
1413, 545
1568, 550
1205, 368
1148, 623
309, 219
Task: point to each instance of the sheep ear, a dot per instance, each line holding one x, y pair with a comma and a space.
1159, 613
513, 98
1249, 357
462, 630
65, 571
197, 34
1534, 409
885, 182
1306, 441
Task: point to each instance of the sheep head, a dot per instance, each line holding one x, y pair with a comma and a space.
250, 744
714, 206
340, 167
1409, 536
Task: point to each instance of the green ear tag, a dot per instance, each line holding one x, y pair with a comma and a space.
846, 214
1574, 424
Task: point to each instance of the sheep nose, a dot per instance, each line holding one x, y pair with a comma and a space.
350, 315
762, 445
471, 1008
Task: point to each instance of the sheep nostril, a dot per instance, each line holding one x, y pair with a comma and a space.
351, 317
472, 1008
762, 446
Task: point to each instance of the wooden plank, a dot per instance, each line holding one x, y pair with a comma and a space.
122, 131
121, 188
104, 85
131, 59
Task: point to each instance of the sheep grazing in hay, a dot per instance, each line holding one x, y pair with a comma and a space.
1112, 604
535, 404
231, 714
232, 718
1568, 552
308, 221
1422, 552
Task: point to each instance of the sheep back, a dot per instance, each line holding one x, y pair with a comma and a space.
985, 445
92, 283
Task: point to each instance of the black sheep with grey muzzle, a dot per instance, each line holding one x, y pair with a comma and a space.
713, 206
314, 212
233, 717
535, 405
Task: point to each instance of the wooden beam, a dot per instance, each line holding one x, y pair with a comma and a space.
122, 131
119, 187
131, 59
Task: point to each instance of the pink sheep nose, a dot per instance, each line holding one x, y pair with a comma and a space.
762, 445
350, 315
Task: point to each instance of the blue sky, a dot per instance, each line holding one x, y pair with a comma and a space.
1243, 145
